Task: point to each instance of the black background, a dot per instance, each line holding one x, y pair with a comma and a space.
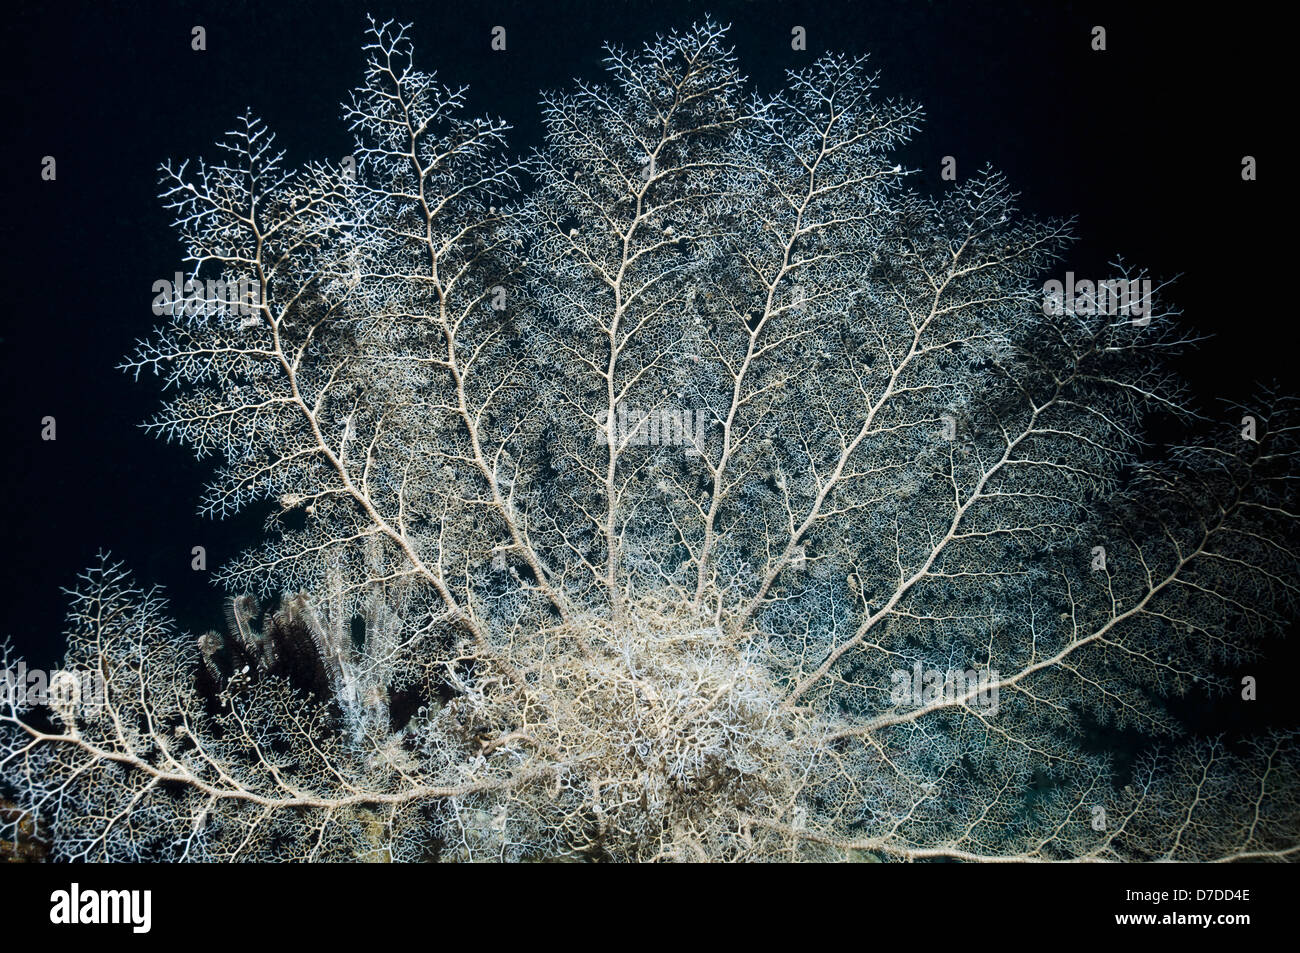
1143, 142
913, 906
905, 906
